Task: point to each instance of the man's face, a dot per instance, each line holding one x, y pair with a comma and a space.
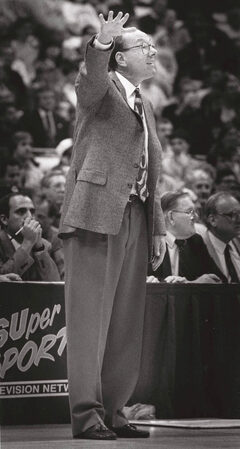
20, 207
226, 222
183, 217
57, 188
202, 186
46, 100
179, 146
165, 129
139, 62
42, 215
13, 176
24, 149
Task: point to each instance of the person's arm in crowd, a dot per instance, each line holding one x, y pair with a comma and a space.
33, 249
10, 277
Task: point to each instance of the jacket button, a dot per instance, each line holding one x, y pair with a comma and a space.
136, 165
130, 185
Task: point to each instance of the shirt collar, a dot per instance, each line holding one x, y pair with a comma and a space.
170, 239
129, 87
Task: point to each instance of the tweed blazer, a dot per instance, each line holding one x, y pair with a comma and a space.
108, 144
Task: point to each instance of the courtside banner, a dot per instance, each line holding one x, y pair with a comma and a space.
33, 373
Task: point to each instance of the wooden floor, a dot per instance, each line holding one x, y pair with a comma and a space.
59, 437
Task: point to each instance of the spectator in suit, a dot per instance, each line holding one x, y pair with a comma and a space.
21, 148
222, 212
186, 258
12, 175
45, 125
24, 252
45, 214
53, 185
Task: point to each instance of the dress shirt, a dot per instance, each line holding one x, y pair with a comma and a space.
219, 247
173, 253
130, 94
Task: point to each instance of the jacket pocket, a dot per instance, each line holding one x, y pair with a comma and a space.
93, 176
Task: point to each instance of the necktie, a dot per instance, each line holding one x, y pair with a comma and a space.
231, 269
50, 127
141, 181
183, 268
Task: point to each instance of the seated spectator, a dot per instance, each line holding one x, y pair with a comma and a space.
26, 49
45, 214
9, 118
176, 163
9, 76
22, 152
9, 277
222, 212
13, 175
53, 185
22, 249
164, 132
186, 258
44, 124
185, 113
226, 180
201, 182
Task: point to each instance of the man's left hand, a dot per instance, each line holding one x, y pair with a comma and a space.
159, 249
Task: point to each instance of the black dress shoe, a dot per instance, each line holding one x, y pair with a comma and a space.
97, 432
130, 431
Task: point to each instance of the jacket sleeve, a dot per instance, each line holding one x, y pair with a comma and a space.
159, 220
92, 80
46, 266
18, 263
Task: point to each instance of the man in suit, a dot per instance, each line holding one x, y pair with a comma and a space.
22, 249
43, 123
186, 258
111, 216
222, 213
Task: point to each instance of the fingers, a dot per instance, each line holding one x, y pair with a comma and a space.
120, 17
13, 277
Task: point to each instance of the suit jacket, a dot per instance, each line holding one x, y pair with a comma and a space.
198, 261
32, 123
38, 266
213, 253
108, 144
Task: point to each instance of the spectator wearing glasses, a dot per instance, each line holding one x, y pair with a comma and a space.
222, 212
186, 258
22, 249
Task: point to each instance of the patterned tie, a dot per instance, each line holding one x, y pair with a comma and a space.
141, 181
231, 269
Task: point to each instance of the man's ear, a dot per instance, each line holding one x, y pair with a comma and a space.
3, 221
211, 219
120, 59
169, 217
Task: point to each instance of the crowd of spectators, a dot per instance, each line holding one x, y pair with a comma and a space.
195, 94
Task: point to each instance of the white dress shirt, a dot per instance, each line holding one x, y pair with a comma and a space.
173, 253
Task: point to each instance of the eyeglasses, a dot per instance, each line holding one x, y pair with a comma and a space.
145, 48
233, 216
191, 212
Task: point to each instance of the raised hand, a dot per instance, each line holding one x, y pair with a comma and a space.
111, 27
